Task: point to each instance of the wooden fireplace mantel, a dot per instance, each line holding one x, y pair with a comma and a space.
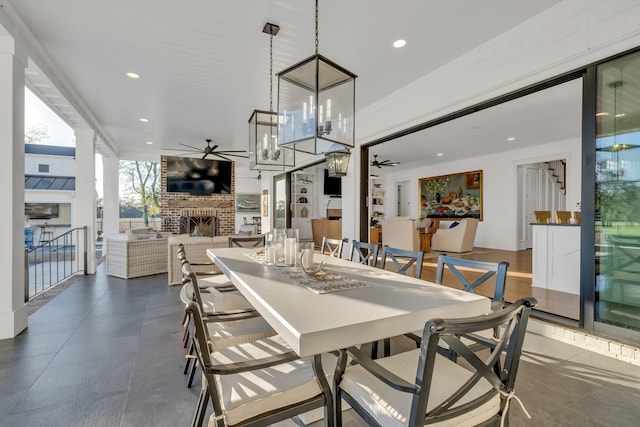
199, 203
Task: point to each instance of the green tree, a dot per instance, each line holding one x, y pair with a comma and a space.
140, 185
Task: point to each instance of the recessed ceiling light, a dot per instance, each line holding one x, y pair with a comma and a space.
602, 113
399, 43
511, 139
149, 142
133, 75
439, 154
620, 115
144, 120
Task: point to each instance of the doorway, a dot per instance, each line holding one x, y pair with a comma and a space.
403, 205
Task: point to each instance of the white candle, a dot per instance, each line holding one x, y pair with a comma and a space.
290, 250
307, 258
270, 256
328, 109
320, 115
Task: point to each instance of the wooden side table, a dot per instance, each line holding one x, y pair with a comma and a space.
425, 241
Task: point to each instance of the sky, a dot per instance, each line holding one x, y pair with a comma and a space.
60, 133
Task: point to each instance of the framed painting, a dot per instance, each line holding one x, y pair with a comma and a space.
454, 196
248, 203
265, 203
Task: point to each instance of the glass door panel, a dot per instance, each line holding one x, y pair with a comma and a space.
617, 191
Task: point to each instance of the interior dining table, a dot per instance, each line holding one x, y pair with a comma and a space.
353, 304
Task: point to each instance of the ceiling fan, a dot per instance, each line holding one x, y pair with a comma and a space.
211, 150
375, 162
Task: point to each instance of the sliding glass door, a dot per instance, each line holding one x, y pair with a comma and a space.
617, 194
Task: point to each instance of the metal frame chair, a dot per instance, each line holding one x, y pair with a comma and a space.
498, 269
333, 247
403, 259
489, 269
246, 324
442, 390
246, 241
264, 361
368, 258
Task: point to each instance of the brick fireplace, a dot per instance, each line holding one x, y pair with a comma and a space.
190, 210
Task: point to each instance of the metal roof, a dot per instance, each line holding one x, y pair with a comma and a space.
39, 182
51, 150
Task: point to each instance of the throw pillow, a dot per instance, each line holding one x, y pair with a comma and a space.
453, 224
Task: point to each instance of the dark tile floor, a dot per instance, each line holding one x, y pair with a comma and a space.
107, 352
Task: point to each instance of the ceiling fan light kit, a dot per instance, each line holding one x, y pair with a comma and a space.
316, 105
264, 152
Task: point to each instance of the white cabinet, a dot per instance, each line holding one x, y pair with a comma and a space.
303, 200
556, 257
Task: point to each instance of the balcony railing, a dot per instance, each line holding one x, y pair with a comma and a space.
54, 261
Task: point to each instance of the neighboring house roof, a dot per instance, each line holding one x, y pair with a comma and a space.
39, 182
51, 150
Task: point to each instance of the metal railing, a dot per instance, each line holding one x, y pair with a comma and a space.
54, 261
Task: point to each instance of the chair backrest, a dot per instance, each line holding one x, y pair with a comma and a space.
269, 411
499, 369
563, 217
331, 247
486, 269
402, 259
542, 217
365, 253
190, 284
577, 217
246, 241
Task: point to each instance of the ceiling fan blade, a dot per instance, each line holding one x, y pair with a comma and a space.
192, 147
222, 157
227, 153
231, 151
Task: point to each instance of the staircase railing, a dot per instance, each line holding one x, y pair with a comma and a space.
54, 261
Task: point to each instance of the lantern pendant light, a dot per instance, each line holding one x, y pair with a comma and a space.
264, 152
316, 105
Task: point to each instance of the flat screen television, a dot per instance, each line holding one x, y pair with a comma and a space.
41, 210
332, 185
198, 176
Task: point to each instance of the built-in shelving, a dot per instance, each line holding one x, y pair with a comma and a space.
303, 200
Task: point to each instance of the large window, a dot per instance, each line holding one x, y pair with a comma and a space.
617, 209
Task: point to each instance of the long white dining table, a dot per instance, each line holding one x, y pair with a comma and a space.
389, 304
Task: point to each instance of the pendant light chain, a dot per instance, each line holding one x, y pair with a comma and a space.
271, 72
316, 27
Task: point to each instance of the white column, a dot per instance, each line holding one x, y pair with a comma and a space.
13, 310
85, 200
111, 198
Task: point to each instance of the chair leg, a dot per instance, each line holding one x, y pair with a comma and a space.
194, 367
201, 408
189, 357
374, 350
387, 347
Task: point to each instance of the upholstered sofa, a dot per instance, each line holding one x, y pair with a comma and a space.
401, 233
457, 239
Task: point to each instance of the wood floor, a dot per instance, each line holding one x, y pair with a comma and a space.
518, 281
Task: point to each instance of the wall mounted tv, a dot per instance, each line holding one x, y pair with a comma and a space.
41, 210
332, 185
198, 176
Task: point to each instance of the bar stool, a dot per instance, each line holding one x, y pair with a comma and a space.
45, 236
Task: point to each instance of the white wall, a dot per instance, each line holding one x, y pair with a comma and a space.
58, 165
499, 228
